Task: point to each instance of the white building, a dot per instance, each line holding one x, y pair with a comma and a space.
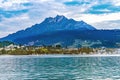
11, 47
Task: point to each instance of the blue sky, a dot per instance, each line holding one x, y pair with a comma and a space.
20, 14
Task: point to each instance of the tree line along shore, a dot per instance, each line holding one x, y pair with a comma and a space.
39, 50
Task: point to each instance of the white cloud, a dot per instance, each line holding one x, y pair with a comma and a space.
41, 9
10, 25
13, 4
3, 33
116, 2
114, 24
92, 18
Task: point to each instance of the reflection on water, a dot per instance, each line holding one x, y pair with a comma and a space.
60, 68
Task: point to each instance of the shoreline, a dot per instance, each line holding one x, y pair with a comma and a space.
63, 55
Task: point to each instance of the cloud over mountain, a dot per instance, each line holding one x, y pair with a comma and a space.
28, 12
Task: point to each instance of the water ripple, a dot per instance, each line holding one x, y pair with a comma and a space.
59, 68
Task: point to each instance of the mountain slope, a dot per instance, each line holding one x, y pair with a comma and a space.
74, 38
48, 25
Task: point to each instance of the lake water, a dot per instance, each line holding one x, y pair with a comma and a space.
59, 68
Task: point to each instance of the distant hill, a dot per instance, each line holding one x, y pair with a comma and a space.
75, 38
48, 25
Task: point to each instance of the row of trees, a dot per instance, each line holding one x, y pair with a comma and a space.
46, 50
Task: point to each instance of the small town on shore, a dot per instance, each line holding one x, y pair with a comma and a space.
13, 49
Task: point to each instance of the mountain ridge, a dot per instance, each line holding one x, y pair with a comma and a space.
59, 22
